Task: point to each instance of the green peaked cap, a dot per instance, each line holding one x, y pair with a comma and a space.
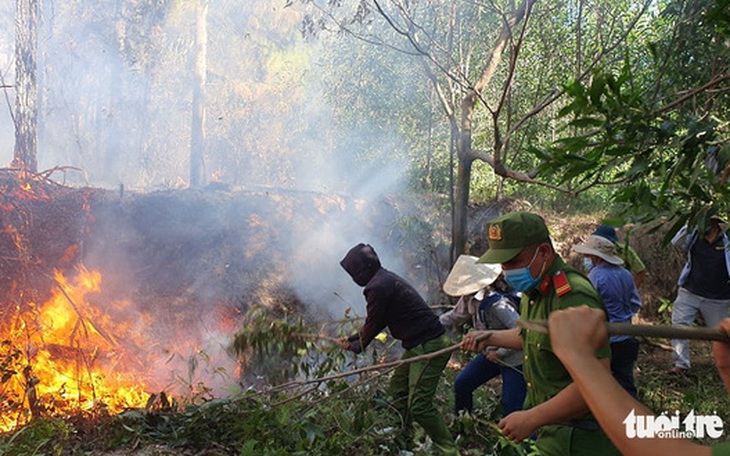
511, 233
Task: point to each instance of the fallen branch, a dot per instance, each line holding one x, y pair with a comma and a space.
390, 365
656, 344
85, 321
653, 331
334, 340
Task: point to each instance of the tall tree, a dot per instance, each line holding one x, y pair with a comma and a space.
464, 141
197, 133
26, 98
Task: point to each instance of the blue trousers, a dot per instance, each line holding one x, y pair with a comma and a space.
478, 372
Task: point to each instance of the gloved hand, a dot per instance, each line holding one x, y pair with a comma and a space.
351, 343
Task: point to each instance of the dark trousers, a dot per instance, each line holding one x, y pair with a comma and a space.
478, 372
623, 360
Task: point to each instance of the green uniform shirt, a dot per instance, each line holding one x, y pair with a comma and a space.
721, 449
544, 373
632, 262
562, 287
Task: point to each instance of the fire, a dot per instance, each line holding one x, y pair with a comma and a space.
80, 350
67, 354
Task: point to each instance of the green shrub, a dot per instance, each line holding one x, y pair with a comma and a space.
42, 436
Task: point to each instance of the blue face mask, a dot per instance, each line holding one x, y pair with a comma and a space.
521, 279
587, 263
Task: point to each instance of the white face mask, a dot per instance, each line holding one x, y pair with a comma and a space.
587, 263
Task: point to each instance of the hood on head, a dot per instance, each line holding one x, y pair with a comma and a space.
361, 262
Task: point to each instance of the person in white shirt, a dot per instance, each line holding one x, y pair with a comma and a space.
486, 302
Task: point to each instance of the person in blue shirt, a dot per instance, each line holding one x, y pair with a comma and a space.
617, 288
623, 250
704, 283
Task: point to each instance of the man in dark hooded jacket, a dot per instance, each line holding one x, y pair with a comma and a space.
394, 303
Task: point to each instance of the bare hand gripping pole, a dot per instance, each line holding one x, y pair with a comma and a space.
653, 331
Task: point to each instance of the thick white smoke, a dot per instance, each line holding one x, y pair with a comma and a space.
116, 93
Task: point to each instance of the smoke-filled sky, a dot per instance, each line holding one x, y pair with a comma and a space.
115, 101
7, 70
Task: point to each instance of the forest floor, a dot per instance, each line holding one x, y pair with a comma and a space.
699, 390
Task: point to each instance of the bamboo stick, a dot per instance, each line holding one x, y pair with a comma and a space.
653, 331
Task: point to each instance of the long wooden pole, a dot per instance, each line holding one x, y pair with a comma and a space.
653, 331
618, 329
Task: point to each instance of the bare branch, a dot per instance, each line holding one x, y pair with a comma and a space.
364, 38
513, 59
443, 101
504, 171
496, 55
692, 93
459, 78
7, 96
398, 30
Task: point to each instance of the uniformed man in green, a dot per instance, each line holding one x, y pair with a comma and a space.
554, 411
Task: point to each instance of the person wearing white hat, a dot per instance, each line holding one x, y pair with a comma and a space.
617, 289
487, 303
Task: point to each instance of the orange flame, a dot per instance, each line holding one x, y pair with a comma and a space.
82, 352
66, 355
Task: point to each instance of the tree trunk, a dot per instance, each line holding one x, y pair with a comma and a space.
110, 133
459, 236
197, 134
453, 154
26, 98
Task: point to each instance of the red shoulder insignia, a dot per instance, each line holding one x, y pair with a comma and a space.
561, 283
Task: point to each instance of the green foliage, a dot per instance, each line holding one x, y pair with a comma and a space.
651, 141
664, 309
346, 415
280, 348
45, 436
318, 411
485, 184
478, 431
667, 177
256, 423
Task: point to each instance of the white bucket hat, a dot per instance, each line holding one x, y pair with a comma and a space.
600, 247
467, 276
